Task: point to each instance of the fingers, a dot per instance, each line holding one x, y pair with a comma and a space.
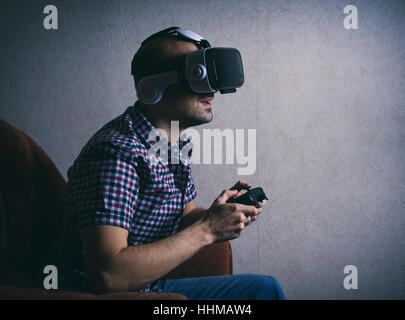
226, 195
240, 193
249, 219
239, 185
248, 210
261, 204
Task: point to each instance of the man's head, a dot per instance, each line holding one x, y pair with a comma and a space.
166, 54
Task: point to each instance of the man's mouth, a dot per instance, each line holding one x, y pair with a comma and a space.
206, 102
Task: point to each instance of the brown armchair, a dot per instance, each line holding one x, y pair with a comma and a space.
32, 193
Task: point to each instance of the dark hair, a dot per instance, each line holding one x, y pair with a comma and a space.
153, 58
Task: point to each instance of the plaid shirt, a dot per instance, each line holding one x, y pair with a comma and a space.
112, 182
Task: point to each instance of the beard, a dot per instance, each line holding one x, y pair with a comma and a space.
198, 117
188, 108
201, 114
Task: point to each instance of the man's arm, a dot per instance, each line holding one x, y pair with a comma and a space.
106, 248
191, 215
114, 266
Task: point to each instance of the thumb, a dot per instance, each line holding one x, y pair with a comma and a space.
226, 195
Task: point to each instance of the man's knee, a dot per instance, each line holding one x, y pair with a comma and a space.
267, 288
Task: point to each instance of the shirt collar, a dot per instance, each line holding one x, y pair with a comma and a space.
143, 128
141, 124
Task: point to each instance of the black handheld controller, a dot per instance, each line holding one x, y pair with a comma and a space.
250, 197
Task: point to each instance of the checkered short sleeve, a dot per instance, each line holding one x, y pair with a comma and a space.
106, 190
191, 191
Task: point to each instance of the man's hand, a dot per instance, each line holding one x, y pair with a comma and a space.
226, 221
242, 186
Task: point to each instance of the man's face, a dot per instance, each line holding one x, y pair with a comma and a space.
179, 103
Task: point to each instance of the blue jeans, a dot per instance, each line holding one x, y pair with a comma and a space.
232, 287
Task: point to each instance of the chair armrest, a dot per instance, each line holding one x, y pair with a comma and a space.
21, 293
212, 260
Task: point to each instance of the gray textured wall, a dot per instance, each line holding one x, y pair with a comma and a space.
327, 103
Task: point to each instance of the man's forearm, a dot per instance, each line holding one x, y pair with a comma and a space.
134, 266
192, 217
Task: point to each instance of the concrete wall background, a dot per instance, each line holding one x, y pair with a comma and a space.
327, 104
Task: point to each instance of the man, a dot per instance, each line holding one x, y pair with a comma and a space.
129, 221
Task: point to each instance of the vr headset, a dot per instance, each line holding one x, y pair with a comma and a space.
206, 70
